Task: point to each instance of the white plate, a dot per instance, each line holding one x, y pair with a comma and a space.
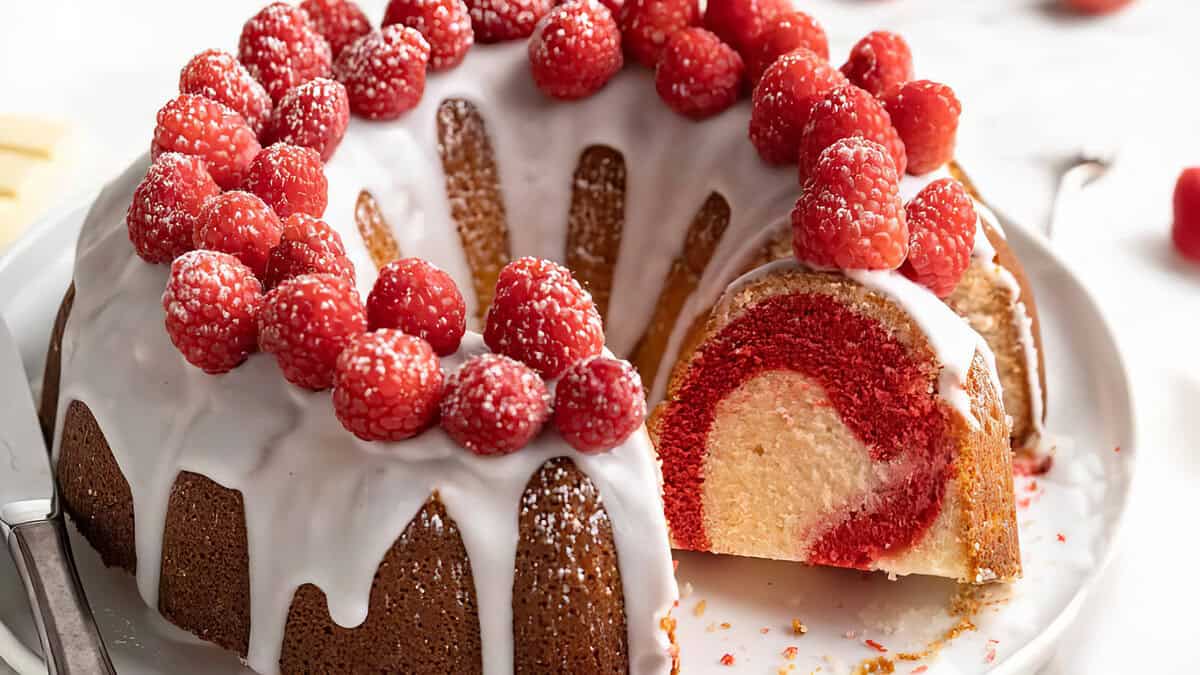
750, 604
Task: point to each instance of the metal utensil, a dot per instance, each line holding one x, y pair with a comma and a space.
33, 527
1081, 170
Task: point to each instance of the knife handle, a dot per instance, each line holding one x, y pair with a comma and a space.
71, 643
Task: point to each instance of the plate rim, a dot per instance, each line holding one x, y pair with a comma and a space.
1033, 653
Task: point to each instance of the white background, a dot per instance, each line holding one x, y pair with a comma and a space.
1037, 85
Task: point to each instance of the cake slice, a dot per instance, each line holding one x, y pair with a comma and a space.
848, 420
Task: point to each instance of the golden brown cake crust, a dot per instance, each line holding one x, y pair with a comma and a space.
701, 241
596, 220
204, 586
415, 620
473, 192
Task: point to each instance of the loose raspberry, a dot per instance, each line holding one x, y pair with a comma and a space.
739, 22
879, 62
217, 75
543, 317
494, 405
575, 50
1185, 231
166, 206
782, 35
306, 322
698, 75
783, 99
445, 24
314, 114
421, 300
338, 21
306, 246
926, 116
387, 386
1095, 6
503, 20
240, 224
646, 25
290, 179
194, 125
941, 225
850, 215
844, 112
384, 72
212, 304
281, 48
598, 403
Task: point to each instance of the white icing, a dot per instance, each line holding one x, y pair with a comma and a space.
321, 506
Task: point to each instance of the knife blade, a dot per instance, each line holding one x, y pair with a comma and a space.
35, 532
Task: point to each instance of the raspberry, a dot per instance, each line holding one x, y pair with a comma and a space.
194, 125
542, 317
1095, 6
598, 403
445, 24
739, 22
879, 62
306, 322
575, 50
387, 386
240, 224
502, 20
281, 48
850, 215
384, 72
783, 100
314, 114
166, 206
646, 25
782, 35
698, 75
421, 300
494, 405
1185, 231
941, 225
217, 75
306, 246
844, 112
212, 303
338, 21
290, 179
926, 116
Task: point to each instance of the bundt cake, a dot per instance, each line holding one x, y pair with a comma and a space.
489, 501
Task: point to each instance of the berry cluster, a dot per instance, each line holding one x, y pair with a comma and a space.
253, 266
850, 216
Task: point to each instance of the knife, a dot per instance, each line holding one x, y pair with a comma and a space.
31, 523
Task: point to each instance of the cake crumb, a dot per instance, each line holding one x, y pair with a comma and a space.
798, 628
725, 625
727, 660
918, 670
876, 646
790, 653
698, 610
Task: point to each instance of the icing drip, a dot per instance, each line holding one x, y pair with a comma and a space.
321, 506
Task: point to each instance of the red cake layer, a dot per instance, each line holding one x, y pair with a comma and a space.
880, 391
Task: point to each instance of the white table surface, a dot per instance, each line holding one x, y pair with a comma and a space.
1037, 85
